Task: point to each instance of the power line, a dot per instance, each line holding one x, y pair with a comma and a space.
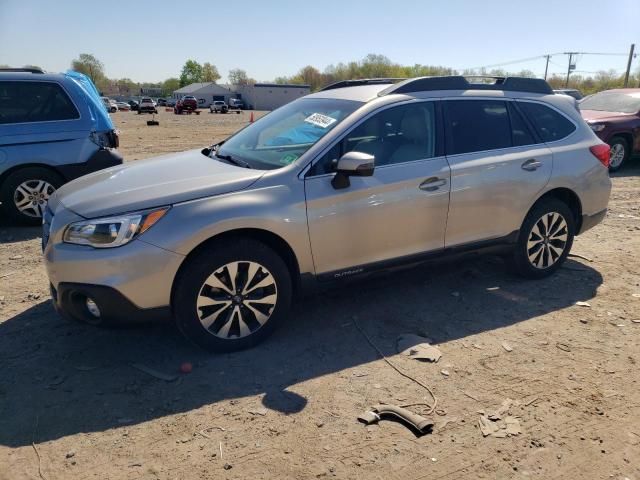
538, 57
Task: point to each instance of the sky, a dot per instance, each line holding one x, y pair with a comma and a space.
150, 40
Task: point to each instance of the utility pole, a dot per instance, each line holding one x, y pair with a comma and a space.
569, 67
626, 75
546, 68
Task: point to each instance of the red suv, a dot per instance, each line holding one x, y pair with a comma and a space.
186, 104
614, 115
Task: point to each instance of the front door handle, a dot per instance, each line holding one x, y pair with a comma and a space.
432, 184
531, 165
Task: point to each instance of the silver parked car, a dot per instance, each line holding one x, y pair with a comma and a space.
362, 176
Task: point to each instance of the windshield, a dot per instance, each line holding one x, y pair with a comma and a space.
281, 137
612, 102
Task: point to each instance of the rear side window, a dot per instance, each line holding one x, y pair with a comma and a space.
477, 125
550, 125
520, 132
25, 102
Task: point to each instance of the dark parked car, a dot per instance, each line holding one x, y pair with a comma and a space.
134, 105
187, 103
161, 102
572, 92
614, 115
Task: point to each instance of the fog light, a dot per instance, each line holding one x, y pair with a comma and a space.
93, 308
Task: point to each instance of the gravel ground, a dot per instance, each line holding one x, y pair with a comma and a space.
287, 409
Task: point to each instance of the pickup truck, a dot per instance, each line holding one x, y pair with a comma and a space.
186, 104
236, 104
147, 106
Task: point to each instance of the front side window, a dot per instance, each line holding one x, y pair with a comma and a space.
395, 135
550, 125
281, 137
477, 125
24, 102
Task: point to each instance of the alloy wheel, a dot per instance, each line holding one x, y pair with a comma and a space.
31, 196
237, 299
617, 155
547, 240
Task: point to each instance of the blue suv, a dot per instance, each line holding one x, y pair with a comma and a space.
53, 129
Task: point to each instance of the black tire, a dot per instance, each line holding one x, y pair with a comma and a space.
190, 283
8, 208
619, 142
139, 112
521, 261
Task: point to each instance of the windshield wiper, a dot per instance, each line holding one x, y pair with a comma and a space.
235, 161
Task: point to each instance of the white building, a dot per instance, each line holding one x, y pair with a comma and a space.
261, 96
269, 96
206, 93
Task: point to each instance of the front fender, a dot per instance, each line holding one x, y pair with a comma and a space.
280, 210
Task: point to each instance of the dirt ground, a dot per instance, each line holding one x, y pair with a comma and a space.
287, 409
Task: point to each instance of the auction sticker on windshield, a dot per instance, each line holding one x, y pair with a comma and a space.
320, 120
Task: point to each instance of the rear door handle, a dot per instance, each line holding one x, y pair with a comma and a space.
531, 165
432, 184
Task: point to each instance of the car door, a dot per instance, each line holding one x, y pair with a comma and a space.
40, 124
398, 212
498, 168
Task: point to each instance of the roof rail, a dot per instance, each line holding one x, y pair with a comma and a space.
457, 82
361, 81
25, 70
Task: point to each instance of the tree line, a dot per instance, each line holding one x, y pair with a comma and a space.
371, 66
379, 66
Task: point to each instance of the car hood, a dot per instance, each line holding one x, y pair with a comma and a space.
602, 116
154, 182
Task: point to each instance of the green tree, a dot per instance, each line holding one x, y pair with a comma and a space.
170, 85
126, 86
237, 76
191, 73
91, 67
210, 73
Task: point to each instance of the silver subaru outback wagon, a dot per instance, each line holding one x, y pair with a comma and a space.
360, 177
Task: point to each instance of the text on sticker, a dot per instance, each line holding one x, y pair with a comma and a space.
320, 120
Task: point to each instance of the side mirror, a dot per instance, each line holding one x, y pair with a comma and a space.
352, 164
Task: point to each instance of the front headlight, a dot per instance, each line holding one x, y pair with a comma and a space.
111, 232
597, 127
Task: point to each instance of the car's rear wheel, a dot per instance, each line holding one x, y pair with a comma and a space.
25, 192
545, 239
231, 296
620, 152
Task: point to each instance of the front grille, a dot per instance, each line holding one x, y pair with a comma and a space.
46, 226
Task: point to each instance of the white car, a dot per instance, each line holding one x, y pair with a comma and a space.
147, 106
109, 104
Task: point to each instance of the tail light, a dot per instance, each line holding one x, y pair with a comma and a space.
602, 152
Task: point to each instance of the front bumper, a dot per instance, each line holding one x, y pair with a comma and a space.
101, 159
70, 299
135, 276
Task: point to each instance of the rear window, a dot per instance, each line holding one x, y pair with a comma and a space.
148, 100
477, 125
549, 124
25, 102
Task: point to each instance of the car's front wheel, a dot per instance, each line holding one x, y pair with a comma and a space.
232, 295
545, 239
620, 152
25, 192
